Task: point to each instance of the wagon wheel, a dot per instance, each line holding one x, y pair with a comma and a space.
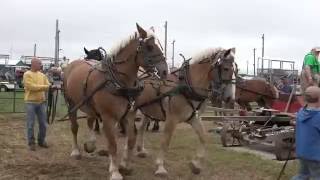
230, 135
283, 144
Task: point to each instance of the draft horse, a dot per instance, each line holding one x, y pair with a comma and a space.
182, 98
110, 89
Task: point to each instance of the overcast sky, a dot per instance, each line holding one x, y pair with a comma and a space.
291, 27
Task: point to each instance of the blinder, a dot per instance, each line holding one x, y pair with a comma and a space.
150, 59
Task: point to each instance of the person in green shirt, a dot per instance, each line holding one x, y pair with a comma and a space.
310, 74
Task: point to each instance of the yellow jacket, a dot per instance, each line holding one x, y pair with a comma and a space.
35, 85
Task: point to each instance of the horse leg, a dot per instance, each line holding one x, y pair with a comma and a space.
122, 127
130, 143
170, 125
156, 126
109, 131
195, 164
148, 125
97, 126
141, 151
74, 129
90, 145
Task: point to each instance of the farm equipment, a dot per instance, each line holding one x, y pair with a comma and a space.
270, 127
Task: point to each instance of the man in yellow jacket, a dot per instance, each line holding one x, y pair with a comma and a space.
35, 86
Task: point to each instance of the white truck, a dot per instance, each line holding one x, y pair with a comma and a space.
6, 86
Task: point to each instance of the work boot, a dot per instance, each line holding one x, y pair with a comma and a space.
43, 145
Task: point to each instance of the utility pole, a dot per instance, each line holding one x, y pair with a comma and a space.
254, 61
165, 39
262, 55
247, 67
35, 50
56, 53
173, 53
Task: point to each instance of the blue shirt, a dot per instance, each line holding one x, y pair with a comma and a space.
308, 134
286, 89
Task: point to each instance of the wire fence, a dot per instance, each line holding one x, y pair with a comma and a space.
12, 101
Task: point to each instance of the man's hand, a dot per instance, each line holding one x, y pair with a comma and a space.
54, 86
310, 81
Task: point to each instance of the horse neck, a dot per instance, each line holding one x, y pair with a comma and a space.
129, 67
199, 75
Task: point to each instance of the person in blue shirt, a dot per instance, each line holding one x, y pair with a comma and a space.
286, 88
308, 136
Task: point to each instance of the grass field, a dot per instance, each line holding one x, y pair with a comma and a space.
16, 162
8, 104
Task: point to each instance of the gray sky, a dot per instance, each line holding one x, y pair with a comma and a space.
291, 27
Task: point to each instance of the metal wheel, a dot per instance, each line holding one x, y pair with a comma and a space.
230, 134
284, 144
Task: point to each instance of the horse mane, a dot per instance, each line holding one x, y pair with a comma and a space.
206, 54
116, 49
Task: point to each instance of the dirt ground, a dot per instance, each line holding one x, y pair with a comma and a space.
17, 162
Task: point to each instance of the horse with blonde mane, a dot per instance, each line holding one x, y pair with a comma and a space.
93, 88
182, 98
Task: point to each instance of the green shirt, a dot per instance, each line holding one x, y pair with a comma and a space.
313, 62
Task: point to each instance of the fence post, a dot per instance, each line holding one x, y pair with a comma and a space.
14, 98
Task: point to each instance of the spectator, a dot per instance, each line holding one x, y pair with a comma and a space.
308, 136
35, 85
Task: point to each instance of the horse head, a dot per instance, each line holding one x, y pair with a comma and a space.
224, 75
150, 55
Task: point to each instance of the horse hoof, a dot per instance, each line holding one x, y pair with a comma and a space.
89, 147
116, 176
161, 172
103, 152
142, 154
195, 168
76, 155
125, 170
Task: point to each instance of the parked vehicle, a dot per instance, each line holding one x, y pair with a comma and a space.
6, 86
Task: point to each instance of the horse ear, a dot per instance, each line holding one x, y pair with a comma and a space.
233, 50
152, 29
142, 32
229, 51
85, 50
226, 53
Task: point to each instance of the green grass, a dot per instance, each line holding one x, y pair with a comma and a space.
7, 103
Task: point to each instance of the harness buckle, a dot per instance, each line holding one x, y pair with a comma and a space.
132, 103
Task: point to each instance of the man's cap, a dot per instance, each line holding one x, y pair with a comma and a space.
313, 91
316, 49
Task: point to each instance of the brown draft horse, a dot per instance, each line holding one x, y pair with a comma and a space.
181, 99
97, 54
255, 90
112, 90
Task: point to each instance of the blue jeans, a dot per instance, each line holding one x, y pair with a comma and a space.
309, 170
39, 110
